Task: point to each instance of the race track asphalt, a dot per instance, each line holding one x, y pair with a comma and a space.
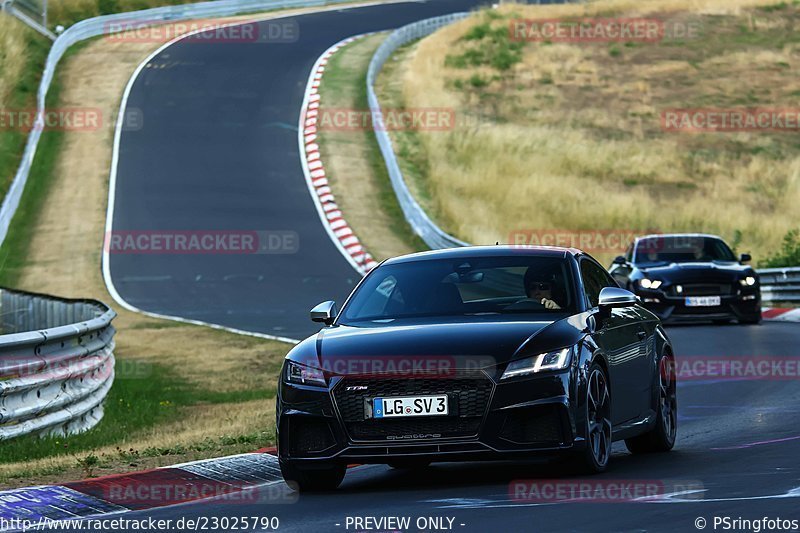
736, 456
217, 151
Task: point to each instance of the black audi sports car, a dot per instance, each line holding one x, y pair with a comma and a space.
476, 353
690, 277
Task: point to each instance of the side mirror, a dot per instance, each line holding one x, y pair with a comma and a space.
324, 312
745, 258
611, 297
620, 260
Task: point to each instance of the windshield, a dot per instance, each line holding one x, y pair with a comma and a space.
682, 249
519, 285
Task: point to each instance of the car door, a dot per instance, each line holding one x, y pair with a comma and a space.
621, 336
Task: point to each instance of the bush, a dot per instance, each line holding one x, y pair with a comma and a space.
789, 255
490, 46
107, 7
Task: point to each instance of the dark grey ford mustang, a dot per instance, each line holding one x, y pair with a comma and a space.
473, 354
690, 277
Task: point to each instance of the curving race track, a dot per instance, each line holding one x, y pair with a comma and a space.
218, 151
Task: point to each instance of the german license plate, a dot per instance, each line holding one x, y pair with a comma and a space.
409, 406
703, 301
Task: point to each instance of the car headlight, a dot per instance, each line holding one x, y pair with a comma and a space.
305, 375
749, 281
650, 283
538, 363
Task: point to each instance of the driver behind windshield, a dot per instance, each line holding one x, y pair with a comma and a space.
541, 287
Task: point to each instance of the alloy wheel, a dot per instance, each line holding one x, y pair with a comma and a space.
667, 401
599, 417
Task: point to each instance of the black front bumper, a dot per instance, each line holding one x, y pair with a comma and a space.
489, 419
671, 308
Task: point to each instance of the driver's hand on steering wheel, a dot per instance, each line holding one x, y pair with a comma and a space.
549, 304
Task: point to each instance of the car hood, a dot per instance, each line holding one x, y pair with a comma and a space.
702, 272
463, 345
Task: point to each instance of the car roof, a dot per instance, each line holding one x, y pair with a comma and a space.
662, 235
502, 250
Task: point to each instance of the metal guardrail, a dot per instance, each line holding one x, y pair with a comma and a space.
422, 225
56, 363
780, 284
27, 13
105, 24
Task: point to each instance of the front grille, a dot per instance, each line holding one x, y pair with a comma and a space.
536, 425
308, 434
469, 398
703, 289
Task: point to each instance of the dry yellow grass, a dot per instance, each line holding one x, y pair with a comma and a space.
13, 55
570, 136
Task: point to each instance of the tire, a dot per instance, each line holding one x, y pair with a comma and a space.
409, 464
596, 454
662, 437
316, 479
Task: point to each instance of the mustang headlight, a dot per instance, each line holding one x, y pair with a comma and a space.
749, 281
538, 363
649, 283
304, 375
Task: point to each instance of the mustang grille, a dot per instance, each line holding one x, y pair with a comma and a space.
703, 289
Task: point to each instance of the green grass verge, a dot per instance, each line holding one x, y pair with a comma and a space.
22, 97
143, 396
14, 250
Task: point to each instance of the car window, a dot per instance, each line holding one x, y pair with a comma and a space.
594, 280
665, 249
629, 253
513, 285
377, 301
